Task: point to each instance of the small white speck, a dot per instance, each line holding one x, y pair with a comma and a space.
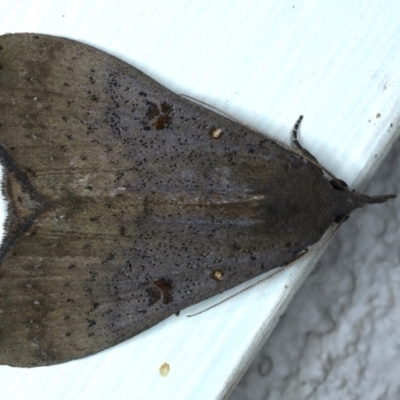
216, 133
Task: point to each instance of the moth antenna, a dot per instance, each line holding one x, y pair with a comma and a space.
314, 248
218, 110
273, 273
296, 142
307, 155
304, 152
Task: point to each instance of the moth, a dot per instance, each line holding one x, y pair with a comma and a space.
128, 203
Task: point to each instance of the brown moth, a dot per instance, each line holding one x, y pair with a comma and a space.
128, 203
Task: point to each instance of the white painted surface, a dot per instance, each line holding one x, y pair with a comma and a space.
261, 62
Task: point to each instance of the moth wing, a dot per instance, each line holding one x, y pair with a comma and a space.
126, 203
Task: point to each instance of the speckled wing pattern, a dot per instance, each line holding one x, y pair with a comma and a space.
127, 202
